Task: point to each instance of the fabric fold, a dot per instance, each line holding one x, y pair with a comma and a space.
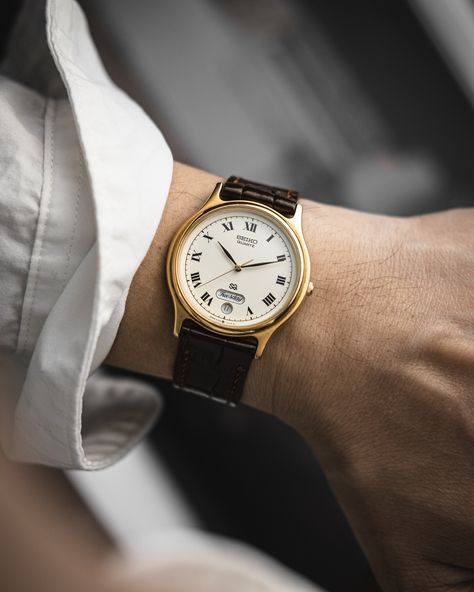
123, 171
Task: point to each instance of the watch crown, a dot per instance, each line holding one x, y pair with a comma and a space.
310, 289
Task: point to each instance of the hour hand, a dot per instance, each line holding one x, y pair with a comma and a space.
227, 254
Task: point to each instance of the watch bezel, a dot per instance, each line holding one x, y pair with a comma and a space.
261, 330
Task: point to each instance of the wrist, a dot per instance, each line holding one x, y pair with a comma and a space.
296, 361
145, 341
304, 360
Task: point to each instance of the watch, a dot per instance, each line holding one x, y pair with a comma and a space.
237, 270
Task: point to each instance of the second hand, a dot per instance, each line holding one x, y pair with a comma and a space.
226, 272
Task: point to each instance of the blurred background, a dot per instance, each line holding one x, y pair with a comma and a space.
363, 104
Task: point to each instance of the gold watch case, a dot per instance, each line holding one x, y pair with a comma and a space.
261, 331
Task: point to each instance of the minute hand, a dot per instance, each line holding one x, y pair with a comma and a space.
258, 264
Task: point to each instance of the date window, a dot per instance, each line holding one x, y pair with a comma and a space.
227, 308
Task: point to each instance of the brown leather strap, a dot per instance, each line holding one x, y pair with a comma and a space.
284, 201
212, 365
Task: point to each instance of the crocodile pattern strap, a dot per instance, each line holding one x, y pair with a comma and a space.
284, 201
212, 365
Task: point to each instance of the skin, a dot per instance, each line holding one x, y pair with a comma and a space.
376, 371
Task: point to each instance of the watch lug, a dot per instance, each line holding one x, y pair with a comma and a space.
262, 339
214, 199
180, 315
297, 220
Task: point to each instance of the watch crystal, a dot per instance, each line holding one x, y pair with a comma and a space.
237, 267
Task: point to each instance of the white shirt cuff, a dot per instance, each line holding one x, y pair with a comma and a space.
106, 171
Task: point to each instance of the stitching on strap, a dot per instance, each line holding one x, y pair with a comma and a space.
235, 381
185, 363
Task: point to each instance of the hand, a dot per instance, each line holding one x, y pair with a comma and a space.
383, 386
227, 254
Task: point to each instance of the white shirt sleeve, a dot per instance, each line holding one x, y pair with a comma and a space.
84, 176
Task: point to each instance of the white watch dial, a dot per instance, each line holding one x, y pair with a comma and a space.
237, 267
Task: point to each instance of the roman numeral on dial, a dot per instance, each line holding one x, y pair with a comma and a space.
207, 298
209, 238
270, 238
250, 226
196, 256
281, 257
249, 310
228, 226
196, 279
281, 280
269, 299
